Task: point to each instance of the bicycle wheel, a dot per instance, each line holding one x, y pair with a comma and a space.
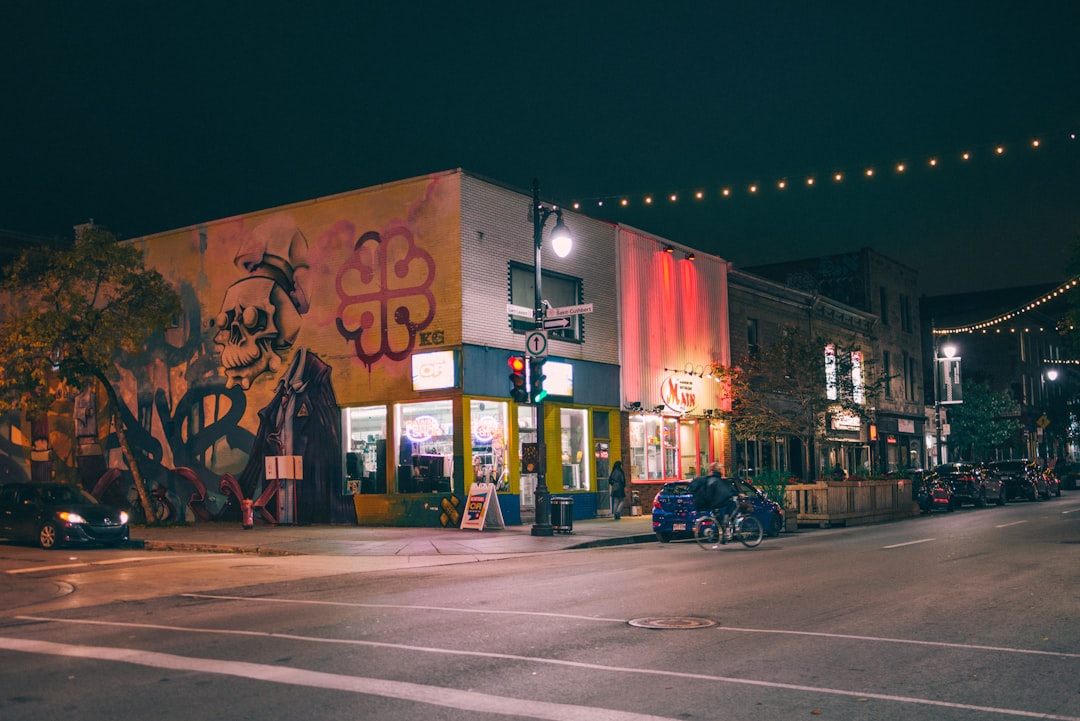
707, 532
749, 531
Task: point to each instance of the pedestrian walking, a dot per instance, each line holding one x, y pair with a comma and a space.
617, 484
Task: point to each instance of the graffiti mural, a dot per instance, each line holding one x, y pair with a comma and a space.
286, 314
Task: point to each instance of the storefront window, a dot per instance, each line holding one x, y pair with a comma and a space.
425, 446
365, 449
526, 420
576, 461
488, 420
645, 464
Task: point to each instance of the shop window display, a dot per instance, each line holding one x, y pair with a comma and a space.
576, 460
425, 446
488, 421
365, 449
654, 447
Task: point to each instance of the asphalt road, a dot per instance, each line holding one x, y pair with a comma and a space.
969, 615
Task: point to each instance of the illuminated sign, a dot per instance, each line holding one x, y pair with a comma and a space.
846, 421
422, 428
434, 370
678, 394
560, 378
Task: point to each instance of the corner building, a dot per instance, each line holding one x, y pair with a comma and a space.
368, 334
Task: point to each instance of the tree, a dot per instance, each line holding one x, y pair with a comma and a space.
985, 421
785, 389
69, 315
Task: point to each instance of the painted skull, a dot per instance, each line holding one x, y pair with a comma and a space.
257, 321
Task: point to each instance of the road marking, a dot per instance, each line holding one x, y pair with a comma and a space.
911, 543
439, 696
418, 693
1014, 523
410, 607
111, 561
447, 609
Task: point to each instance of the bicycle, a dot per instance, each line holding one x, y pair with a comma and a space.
741, 526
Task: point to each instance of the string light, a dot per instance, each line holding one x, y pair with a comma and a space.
869, 172
1029, 306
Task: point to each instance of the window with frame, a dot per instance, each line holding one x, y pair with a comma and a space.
752, 337
886, 370
557, 289
883, 299
905, 313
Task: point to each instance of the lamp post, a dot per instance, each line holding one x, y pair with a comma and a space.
560, 242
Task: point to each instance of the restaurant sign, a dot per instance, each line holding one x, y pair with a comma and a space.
678, 394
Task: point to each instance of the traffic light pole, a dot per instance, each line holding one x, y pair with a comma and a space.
541, 496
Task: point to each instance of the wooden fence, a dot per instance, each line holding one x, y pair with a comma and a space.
844, 503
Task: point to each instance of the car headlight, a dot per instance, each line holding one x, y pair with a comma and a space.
123, 518
69, 517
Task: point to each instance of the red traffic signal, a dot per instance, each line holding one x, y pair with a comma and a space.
518, 392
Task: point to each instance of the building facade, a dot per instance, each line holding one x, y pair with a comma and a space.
344, 360
888, 290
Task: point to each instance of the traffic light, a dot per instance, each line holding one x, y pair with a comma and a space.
518, 392
536, 380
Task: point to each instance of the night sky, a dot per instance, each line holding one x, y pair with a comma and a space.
152, 116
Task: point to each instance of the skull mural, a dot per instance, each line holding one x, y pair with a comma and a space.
260, 314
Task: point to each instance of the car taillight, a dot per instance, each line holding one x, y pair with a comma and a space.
656, 504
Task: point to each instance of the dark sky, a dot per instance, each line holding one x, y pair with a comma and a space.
150, 116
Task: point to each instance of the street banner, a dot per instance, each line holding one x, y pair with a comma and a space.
482, 510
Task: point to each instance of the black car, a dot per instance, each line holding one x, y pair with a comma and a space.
673, 510
971, 483
1020, 477
54, 514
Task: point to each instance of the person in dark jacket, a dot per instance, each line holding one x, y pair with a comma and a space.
714, 493
617, 484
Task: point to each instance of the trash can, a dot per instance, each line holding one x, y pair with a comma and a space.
562, 514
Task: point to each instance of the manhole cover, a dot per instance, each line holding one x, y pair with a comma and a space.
672, 622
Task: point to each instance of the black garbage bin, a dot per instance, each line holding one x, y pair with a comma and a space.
562, 514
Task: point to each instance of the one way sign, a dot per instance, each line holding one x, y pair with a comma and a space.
556, 323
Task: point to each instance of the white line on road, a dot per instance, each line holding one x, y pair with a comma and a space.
418, 693
447, 609
111, 561
351, 604
1014, 523
911, 543
439, 696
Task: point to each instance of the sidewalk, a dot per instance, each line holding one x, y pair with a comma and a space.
388, 541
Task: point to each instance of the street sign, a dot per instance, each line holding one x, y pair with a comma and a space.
568, 310
520, 310
556, 323
536, 344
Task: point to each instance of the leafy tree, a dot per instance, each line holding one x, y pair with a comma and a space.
781, 389
985, 421
70, 313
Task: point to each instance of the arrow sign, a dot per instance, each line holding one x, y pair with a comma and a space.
556, 323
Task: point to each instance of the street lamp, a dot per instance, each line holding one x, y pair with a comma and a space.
560, 243
950, 351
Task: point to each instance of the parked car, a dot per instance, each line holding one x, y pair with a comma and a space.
1020, 478
54, 514
673, 512
1052, 484
931, 493
971, 483
1067, 473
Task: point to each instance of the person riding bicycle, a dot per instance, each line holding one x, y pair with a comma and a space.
715, 494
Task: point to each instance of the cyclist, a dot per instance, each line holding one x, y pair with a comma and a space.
715, 493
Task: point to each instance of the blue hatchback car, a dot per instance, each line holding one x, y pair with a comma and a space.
673, 512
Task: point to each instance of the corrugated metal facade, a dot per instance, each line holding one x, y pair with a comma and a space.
676, 318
